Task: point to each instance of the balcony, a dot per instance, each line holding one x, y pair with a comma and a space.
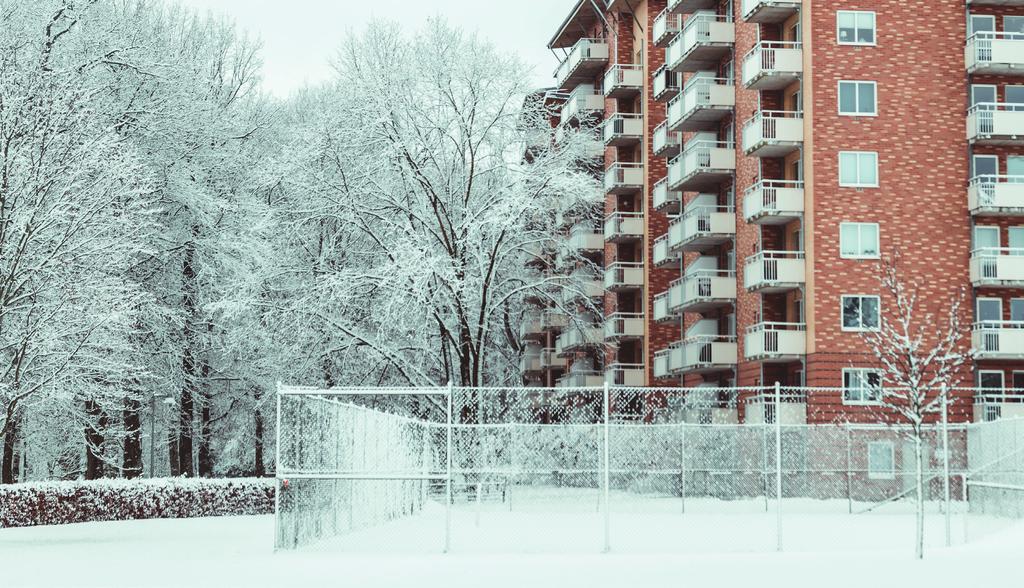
702, 166
997, 267
666, 84
998, 340
623, 80
623, 129
772, 65
762, 408
996, 195
773, 202
624, 178
662, 254
769, 11
585, 238
624, 227
990, 405
582, 104
621, 276
586, 59
996, 124
530, 329
702, 105
703, 290
662, 364
537, 253
662, 314
623, 326
549, 360
705, 353
702, 227
688, 6
584, 379
530, 362
774, 271
775, 342
665, 200
666, 27
583, 286
773, 133
666, 143
703, 42
578, 338
553, 320
624, 374
996, 53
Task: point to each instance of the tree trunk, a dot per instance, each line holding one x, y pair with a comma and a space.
919, 459
259, 469
95, 426
10, 442
172, 453
186, 413
186, 409
205, 451
131, 464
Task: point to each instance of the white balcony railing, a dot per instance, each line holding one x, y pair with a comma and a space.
775, 341
662, 255
704, 39
582, 379
996, 123
583, 285
582, 103
549, 360
623, 129
663, 199
701, 165
623, 80
623, 325
586, 56
623, 276
531, 327
666, 27
553, 320
661, 364
624, 374
703, 103
997, 266
773, 201
578, 337
998, 340
702, 226
661, 309
773, 133
774, 270
623, 178
995, 52
704, 289
666, 143
586, 238
707, 352
996, 195
531, 360
772, 65
666, 84
624, 226
990, 405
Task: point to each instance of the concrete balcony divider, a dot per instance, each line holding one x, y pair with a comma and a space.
623, 80
707, 353
997, 267
702, 166
666, 84
702, 43
666, 27
665, 200
623, 326
701, 227
772, 65
771, 202
773, 133
996, 195
769, 11
624, 276
774, 271
586, 58
624, 374
666, 143
623, 129
998, 340
996, 124
991, 52
624, 178
623, 227
775, 341
703, 104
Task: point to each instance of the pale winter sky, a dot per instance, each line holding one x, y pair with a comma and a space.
299, 36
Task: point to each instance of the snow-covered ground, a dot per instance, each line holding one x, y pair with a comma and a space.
236, 551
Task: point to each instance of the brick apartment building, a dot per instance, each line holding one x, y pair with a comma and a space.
760, 157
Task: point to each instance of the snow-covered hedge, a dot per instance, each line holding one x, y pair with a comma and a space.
58, 503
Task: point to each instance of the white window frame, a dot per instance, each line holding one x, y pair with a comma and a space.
1002, 381
861, 401
856, 83
890, 474
977, 308
874, 16
878, 234
858, 183
861, 329
993, 87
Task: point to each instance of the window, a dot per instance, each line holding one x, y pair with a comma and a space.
858, 98
861, 386
858, 240
855, 28
1013, 24
980, 23
860, 313
989, 310
1017, 310
984, 165
858, 169
881, 460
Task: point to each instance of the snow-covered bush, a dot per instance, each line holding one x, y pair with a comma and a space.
59, 503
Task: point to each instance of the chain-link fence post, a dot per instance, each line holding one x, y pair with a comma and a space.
277, 467
682, 466
778, 465
849, 468
945, 462
606, 468
448, 477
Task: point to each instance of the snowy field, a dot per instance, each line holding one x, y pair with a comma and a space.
821, 549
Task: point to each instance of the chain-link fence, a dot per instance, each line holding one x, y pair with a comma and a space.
623, 469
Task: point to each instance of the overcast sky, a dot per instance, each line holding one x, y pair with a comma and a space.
299, 36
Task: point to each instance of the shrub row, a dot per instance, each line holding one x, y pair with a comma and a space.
59, 503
